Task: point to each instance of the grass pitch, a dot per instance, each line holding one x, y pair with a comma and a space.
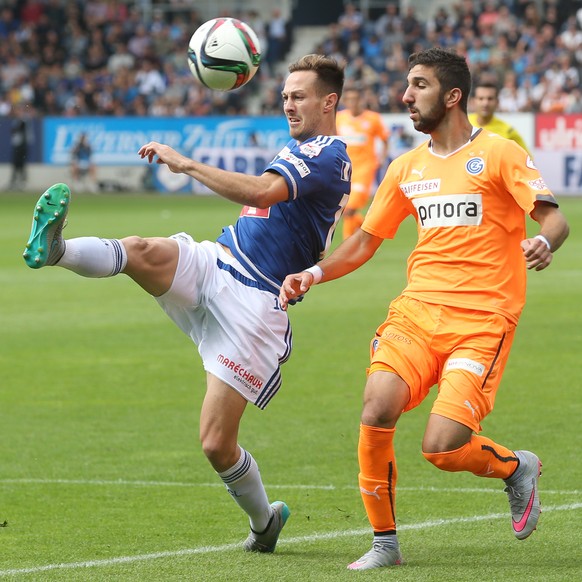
101, 473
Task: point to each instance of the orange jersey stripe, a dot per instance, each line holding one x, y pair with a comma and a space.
470, 209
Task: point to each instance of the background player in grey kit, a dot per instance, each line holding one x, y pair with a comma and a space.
224, 294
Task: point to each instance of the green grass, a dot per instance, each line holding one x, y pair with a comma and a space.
101, 473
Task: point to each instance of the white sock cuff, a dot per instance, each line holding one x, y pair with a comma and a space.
240, 469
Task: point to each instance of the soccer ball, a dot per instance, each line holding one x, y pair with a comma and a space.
224, 54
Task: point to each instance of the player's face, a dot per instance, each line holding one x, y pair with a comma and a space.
353, 101
303, 105
485, 101
425, 99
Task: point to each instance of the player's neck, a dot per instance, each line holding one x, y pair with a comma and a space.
450, 136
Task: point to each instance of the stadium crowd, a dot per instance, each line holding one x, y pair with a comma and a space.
102, 57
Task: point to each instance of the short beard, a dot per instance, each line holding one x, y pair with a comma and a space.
429, 122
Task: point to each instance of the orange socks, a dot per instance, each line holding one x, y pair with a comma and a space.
480, 456
351, 224
377, 477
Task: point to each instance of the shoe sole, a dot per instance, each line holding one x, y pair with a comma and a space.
361, 566
50, 210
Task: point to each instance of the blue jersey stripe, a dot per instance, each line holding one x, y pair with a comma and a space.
247, 281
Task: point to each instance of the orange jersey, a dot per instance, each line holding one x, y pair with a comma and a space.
360, 133
470, 210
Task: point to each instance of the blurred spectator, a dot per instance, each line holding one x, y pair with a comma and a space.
411, 28
149, 80
120, 58
389, 22
140, 42
350, 21
372, 50
83, 170
277, 38
512, 98
555, 100
440, 19
271, 103
19, 138
572, 35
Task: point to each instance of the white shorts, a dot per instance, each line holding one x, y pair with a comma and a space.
242, 334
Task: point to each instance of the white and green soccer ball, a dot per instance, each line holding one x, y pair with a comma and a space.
224, 54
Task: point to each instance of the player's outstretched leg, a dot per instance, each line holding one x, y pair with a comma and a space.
46, 245
523, 494
267, 540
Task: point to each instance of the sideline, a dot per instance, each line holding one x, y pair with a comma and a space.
285, 542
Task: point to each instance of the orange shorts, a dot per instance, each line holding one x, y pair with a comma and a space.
463, 351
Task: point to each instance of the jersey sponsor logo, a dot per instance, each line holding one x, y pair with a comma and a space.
538, 184
311, 150
346, 172
475, 166
529, 163
452, 210
410, 189
466, 364
298, 164
241, 374
255, 212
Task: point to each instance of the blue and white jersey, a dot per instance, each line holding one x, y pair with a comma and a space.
293, 235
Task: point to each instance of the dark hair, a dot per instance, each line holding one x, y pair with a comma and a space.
486, 85
330, 73
450, 68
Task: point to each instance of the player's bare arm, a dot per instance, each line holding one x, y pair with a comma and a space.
538, 250
256, 191
350, 255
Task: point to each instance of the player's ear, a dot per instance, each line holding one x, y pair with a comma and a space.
453, 97
330, 102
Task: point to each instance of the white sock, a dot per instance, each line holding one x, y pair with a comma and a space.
94, 257
243, 482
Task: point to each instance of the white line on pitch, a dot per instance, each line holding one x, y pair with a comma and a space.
289, 541
138, 483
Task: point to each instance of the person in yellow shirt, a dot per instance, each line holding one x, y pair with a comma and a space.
470, 192
485, 103
360, 128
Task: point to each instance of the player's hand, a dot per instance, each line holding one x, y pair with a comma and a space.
536, 253
293, 286
176, 162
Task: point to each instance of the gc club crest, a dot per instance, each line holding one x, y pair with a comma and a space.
475, 166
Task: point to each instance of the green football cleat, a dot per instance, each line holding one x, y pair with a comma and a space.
46, 245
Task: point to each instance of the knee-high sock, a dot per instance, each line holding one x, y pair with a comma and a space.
377, 477
94, 257
243, 482
480, 456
